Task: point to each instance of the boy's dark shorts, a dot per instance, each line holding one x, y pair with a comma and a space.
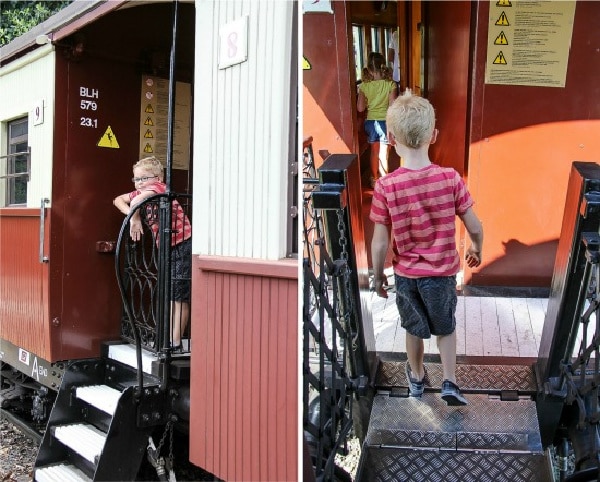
181, 270
427, 305
376, 131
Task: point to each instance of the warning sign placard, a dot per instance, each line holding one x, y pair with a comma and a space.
108, 139
154, 113
528, 42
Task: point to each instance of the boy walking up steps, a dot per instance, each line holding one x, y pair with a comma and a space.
416, 207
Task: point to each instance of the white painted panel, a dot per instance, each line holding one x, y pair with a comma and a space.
25, 83
241, 132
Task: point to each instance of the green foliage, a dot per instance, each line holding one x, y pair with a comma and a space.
18, 17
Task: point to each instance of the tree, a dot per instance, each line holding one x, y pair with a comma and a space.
18, 17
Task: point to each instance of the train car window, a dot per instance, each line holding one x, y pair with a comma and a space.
359, 49
17, 162
375, 40
366, 40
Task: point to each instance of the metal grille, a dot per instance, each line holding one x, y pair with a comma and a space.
581, 373
144, 270
327, 397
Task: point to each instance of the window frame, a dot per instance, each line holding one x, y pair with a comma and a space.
14, 159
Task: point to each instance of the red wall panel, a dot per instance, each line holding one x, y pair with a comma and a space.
329, 108
244, 390
23, 303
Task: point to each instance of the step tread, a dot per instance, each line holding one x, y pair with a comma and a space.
126, 354
102, 397
60, 473
470, 378
82, 438
486, 423
382, 464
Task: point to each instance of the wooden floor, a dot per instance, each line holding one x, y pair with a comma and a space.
485, 326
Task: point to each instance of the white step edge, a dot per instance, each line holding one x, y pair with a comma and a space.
100, 396
126, 354
60, 473
82, 438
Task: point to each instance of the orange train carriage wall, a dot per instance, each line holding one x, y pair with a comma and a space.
514, 144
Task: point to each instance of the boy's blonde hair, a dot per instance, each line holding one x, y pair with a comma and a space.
411, 119
151, 164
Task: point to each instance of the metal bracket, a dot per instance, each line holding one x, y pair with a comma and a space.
329, 196
590, 203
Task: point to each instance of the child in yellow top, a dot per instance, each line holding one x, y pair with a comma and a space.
376, 92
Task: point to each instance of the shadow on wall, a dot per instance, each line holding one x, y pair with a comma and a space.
521, 265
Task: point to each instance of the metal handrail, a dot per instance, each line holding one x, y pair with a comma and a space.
143, 270
328, 388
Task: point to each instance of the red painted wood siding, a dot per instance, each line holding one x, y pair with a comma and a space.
244, 389
23, 284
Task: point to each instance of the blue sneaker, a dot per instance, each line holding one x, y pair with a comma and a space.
415, 387
451, 394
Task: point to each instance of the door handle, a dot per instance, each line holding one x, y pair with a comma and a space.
43, 257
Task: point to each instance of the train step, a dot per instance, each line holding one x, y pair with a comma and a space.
82, 438
125, 353
494, 438
472, 378
99, 415
61, 473
100, 396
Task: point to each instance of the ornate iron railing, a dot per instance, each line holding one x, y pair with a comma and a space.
328, 388
144, 272
580, 374
568, 365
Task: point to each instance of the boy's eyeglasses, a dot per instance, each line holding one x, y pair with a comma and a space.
142, 179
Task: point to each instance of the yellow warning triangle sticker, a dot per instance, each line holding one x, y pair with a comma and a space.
501, 39
502, 20
148, 149
306, 64
148, 134
148, 121
500, 59
503, 3
108, 139
149, 109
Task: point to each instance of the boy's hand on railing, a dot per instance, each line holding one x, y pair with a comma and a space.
135, 229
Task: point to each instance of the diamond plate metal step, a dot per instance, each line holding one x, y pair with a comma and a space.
485, 424
411, 439
404, 465
470, 378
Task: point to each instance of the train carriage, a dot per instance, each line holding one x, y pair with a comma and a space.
83, 96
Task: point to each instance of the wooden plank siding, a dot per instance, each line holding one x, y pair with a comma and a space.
27, 84
23, 284
242, 130
244, 386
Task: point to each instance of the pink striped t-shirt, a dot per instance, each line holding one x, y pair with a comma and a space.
180, 224
421, 205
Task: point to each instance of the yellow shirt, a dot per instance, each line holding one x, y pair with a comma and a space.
377, 93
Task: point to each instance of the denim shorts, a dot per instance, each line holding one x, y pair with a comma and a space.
376, 131
181, 270
427, 305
